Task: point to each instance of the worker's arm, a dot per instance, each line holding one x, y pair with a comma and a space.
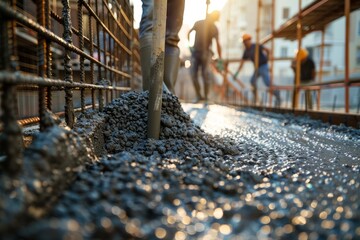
239, 68
188, 36
192, 29
218, 47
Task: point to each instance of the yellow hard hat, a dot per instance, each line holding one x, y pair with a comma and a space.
246, 37
302, 54
215, 15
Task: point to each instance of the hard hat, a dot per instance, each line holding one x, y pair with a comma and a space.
246, 37
302, 54
215, 15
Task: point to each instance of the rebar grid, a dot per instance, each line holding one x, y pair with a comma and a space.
70, 46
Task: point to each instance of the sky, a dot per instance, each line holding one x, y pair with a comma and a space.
194, 10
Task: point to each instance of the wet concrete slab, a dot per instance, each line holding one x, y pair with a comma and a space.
215, 173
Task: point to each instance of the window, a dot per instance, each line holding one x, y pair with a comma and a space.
286, 13
284, 52
358, 56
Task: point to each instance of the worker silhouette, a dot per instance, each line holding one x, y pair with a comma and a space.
307, 73
263, 67
174, 19
205, 32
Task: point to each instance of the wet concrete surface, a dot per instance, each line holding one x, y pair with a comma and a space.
231, 175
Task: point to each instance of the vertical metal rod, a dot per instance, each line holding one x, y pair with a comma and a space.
116, 56
302, 98
101, 99
204, 40
41, 56
105, 48
132, 39
273, 2
98, 39
257, 48
120, 53
358, 105
81, 46
334, 103
100, 92
287, 98
313, 97
48, 54
321, 70
207, 7
298, 62
246, 96
111, 51
67, 35
12, 144
116, 65
91, 63
347, 54
157, 68
242, 99
235, 98
129, 44
228, 23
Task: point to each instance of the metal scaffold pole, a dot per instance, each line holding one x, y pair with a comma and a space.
298, 62
157, 68
257, 48
207, 7
272, 51
321, 69
347, 54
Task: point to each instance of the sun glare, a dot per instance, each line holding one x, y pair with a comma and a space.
196, 9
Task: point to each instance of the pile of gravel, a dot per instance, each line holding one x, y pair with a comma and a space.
190, 185
126, 130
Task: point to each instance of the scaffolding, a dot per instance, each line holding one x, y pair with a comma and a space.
314, 17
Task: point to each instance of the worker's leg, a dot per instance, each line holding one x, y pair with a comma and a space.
264, 73
195, 62
205, 70
175, 10
308, 100
253, 84
145, 35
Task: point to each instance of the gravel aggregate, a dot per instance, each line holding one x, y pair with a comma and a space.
215, 173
